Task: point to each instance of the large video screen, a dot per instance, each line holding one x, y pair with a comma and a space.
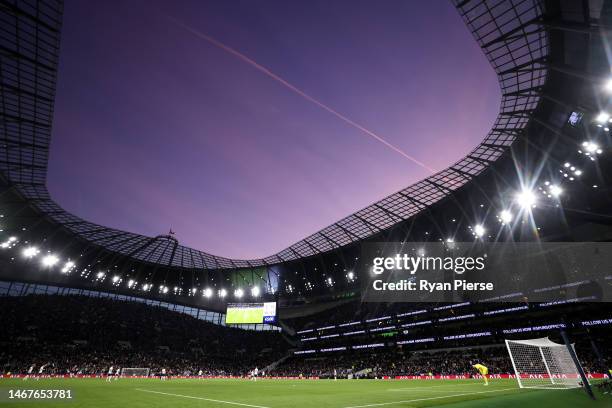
242, 313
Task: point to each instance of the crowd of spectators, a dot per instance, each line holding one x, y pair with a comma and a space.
72, 335
391, 362
86, 335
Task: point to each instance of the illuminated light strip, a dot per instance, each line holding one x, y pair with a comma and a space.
305, 331
330, 336
377, 319
498, 311
596, 322
354, 332
325, 350
451, 306
567, 285
563, 302
534, 328
511, 295
382, 328
413, 341
412, 313
467, 336
417, 323
326, 328
304, 352
309, 339
364, 346
348, 324
466, 316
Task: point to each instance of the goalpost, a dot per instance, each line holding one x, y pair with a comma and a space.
541, 363
135, 372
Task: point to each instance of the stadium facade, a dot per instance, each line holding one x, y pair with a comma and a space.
551, 61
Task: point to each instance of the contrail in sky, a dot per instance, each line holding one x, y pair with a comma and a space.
298, 91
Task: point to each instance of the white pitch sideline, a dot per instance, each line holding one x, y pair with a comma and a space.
202, 398
380, 404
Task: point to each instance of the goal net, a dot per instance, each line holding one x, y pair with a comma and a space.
135, 372
541, 363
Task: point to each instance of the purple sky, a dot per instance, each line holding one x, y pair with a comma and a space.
157, 128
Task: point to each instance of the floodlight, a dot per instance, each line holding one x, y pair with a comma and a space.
207, 292
67, 266
238, 293
602, 117
526, 199
30, 252
116, 279
555, 190
50, 260
351, 275
222, 293
194, 290
131, 283
479, 230
505, 216
100, 275
608, 86
255, 291
165, 289
591, 147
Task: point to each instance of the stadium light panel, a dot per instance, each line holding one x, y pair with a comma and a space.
479, 230
608, 86
208, 292
238, 293
555, 190
68, 266
505, 216
255, 291
602, 117
116, 279
591, 147
131, 283
351, 276
100, 275
526, 199
222, 293
30, 252
50, 260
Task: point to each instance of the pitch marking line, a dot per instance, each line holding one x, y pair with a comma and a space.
427, 399
202, 398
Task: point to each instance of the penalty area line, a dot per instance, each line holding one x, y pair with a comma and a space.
380, 404
201, 398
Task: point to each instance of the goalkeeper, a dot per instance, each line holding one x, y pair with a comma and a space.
484, 371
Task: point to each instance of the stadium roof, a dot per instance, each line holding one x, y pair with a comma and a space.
514, 36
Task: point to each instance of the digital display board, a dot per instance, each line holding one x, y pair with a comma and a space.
245, 313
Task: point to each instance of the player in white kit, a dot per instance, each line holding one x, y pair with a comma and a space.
109, 375
163, 374
117, 373
30, 371
41, 370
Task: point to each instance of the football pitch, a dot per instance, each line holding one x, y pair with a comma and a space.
224, 393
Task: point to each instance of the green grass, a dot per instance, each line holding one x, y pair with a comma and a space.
136, 393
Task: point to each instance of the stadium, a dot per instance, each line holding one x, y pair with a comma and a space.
101, 317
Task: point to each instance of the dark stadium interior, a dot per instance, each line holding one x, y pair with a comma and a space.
115, 298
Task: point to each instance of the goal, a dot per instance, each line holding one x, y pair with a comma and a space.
541, 363
135, 372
